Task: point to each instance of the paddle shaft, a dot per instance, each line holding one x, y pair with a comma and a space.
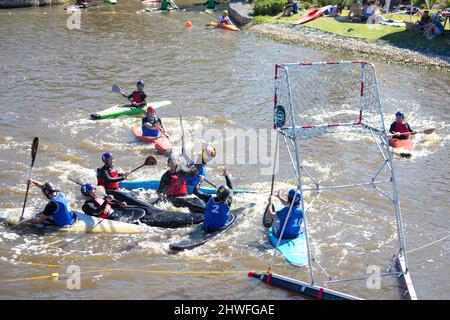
34, 147
426, 131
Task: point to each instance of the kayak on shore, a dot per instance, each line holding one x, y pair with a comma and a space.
154, 185
126, 109
313, 14
83, 223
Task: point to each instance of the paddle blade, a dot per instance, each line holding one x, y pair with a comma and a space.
429, 131
268, 218
150, 161
116, 89
34, 148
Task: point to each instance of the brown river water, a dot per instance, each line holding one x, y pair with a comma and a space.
52, 78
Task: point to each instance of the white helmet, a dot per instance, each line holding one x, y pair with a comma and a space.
208, 153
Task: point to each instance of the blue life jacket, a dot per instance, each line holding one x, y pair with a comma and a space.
216, 215
150, 132
293, 226
192, 180
63, 216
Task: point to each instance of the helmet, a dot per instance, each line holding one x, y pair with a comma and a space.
208, 153
223, 192
173, 159
295, 196
150, 108
140, 83
48, 187
106, 156
86, 189
225, 11
399, 114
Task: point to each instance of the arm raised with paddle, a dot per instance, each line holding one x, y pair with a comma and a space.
137, 98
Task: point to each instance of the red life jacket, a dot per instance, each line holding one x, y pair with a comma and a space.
107, 211
109, 186
177, 186
401, 127
137, 97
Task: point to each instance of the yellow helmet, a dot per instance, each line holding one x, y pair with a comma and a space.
225, 11
208, 153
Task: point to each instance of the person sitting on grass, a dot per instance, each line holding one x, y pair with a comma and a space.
335, 11
290, 8
357, 11
434, 28
424, 20
371, 12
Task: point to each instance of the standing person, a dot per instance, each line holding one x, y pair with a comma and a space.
106, 207
293, 226
138, 98
57, 211
217, 210
196, 169
152, 125
224, 19
173, 187
400, 128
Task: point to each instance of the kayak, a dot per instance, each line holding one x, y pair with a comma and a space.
313, 14
154, 184
157, 217
231, 27
126, 109
162, 144
111, 1
293, 250
405, 146
84, 223
198, 236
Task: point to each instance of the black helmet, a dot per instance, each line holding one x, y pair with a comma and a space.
48, 187
223, 193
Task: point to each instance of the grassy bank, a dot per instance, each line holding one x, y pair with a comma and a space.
393, 35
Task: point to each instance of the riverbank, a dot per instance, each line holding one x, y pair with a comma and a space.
379, 50
29, 3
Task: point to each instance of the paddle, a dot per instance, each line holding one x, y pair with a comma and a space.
149, 161
426, 131
268, 217
34, 148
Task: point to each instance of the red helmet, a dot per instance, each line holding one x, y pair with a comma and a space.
152, 109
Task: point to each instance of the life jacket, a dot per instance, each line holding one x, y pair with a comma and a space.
150, 132
177, 186
217, 215
137, 97
401, 127
192, 180
63, 216
107, 211
293, 226
102, 182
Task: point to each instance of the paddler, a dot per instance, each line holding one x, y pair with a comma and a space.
217, 210
400, 128
57, 211
293, 226
196, 169
152, 125
173, 187
81, 3
138, 97
224, 19
108, 176
107, 207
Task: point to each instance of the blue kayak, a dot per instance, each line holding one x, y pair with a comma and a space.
154, 184
294, 250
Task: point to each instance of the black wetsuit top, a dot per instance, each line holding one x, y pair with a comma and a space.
144, 98
206, 197
166, 180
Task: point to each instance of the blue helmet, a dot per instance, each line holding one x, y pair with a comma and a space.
86, 189
295, 196
140, 83
107, 156
399, 114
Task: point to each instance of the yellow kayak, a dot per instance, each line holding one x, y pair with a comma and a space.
231, 27
84, 223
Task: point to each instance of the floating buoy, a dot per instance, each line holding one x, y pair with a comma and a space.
188, 24
55, 275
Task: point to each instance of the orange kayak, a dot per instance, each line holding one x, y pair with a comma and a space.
231, 27
406, 145
162, 144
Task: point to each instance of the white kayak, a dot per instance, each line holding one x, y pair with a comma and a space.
84, 223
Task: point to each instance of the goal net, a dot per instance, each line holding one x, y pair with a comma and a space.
322, 97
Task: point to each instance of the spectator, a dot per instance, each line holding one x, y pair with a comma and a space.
372, 12
356, 10
334, 11
434, 28
290, 8
425, 20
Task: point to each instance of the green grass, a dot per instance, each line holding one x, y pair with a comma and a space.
392, 35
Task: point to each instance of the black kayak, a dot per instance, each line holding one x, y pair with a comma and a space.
198, 236
192, 202
156, 217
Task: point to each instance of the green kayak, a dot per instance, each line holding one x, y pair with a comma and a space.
126, 109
